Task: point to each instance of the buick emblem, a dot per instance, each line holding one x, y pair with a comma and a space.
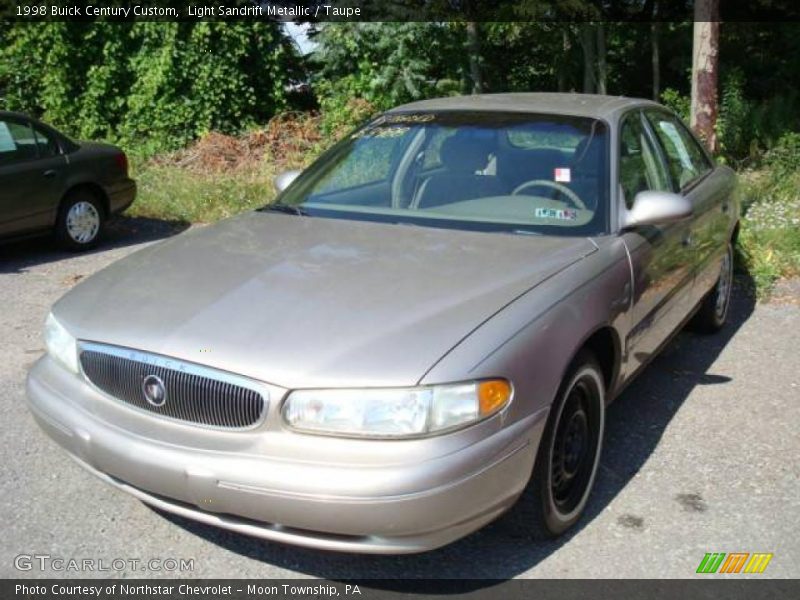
154, 391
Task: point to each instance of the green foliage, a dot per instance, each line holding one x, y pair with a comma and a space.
525, 56
769, 255
770, 237
171, 193
734, 126
104, 103
773, 117
681, 104
784, 157
379, 65
150, 85
748, 129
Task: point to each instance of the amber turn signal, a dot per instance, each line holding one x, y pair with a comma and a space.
493, 395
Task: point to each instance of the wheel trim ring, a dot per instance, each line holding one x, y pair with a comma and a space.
82, 222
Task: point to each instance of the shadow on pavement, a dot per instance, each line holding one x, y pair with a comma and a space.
635, 424
16, 257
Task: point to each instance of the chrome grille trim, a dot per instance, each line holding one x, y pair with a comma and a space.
196, 394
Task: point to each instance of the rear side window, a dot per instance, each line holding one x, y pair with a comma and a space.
17, 143
686, 159
47, 144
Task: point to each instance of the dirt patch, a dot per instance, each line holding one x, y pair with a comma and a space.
286, 142
631, 522
692, 502
786, 291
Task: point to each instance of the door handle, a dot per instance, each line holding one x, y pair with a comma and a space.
50, 173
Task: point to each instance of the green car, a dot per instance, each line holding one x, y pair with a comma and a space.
52, 184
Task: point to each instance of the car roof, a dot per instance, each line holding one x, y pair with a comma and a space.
580, 105
18, 115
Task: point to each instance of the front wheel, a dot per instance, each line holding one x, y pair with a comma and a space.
80, 221
713, 312
569, 452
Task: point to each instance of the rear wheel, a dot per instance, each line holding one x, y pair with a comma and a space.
713, 312
80, 221
569, 451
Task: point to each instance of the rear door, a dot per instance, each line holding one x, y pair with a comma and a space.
32, 174
693, 175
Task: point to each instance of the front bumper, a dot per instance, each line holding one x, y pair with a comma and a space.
385, 497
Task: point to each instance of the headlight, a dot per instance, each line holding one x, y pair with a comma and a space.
60, 343
395, 412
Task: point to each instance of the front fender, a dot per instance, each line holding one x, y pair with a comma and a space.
533, 340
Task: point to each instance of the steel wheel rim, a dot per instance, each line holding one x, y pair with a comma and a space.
576, 445
83, 222
724, 286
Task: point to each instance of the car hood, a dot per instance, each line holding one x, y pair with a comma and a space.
307, 302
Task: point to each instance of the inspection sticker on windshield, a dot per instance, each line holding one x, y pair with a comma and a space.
566, 214
562, 175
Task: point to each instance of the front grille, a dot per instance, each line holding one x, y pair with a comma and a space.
194, 393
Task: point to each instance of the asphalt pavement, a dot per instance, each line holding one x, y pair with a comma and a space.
701, 455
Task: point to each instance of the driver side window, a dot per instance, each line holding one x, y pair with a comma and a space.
640, 168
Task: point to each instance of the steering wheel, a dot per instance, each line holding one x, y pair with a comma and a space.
572, 196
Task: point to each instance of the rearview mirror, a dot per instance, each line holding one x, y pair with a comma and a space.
656, 208
283, 180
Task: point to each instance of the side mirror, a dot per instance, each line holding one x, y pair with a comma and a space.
656, 208
283, 180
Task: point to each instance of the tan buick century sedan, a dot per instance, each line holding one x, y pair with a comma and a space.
431, 317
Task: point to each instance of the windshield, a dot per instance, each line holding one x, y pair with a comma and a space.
522, 173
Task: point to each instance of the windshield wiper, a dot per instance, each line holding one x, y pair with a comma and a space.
286, 209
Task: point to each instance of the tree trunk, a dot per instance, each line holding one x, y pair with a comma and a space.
564, 61
705, 57
655, 59
587, 43
474, 51
601, 59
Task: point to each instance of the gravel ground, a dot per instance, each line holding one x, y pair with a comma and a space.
701, 456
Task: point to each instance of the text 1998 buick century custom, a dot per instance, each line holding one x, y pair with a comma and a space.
433, 316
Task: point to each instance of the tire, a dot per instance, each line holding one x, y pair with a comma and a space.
564, 472
81, 220
713, 312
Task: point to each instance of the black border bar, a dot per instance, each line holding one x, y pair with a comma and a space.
393, 10
712, 588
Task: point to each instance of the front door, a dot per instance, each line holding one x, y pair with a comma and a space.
660, 254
